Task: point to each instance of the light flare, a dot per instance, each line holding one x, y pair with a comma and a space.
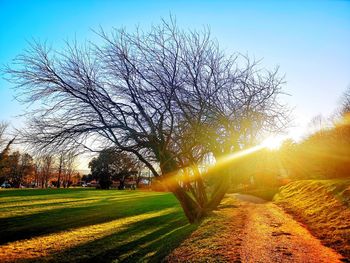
273, 142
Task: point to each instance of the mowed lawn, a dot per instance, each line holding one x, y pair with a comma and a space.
88, 225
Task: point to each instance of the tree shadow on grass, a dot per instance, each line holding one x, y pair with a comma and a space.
55, 220
147, 240
37, 192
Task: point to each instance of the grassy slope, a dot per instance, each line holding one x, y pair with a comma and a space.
87, 225
324, 206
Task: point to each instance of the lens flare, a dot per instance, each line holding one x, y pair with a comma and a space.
273, 142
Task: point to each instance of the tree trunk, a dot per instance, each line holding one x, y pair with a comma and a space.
59, 179
201, 193
219, 191
192, 210
198, 207
121, 183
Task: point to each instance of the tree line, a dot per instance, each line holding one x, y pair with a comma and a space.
324, 154
21, 169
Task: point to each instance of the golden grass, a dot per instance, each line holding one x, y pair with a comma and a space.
323, 206
217, 239
70, 225
44, 246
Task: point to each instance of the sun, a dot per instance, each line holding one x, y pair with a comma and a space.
273, 142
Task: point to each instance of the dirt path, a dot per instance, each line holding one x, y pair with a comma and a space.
260, 232
271, 235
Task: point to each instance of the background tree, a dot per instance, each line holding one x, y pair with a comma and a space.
140, 92
60, 168
19, 168
46, 166
69, 168
325, 152
4, 152
112, 165
345, 102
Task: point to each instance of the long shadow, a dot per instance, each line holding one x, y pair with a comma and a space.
26, 195
162, 234
46, 222
36, 192
62, 202
54, 202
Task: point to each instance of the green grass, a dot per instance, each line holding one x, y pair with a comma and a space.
75, 225
324, 206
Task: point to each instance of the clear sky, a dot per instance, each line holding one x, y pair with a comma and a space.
309, 40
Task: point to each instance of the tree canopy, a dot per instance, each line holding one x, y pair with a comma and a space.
111, 165
170, 97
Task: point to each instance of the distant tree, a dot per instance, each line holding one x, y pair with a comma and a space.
14, 175
26, 167
75, 178
65, 168
100, 169
325, 153
112, 165
345, 106
60, 168
19, 168
87, 178
46, 166
69, 168
141, 92
4, 152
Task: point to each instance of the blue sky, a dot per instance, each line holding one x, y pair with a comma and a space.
309, 40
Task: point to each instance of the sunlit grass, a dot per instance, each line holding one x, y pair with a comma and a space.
324, 206
83, 225
53, 243
27, 207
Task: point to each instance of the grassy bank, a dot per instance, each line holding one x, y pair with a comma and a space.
70, 225
324, 206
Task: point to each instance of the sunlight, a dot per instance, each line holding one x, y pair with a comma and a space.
225, 160
273, 142
50, 244
221, 162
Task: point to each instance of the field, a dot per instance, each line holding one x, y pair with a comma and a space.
72, 225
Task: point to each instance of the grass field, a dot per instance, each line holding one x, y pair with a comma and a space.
85, 225
324, 206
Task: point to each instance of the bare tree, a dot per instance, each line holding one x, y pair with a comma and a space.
345, 107
69, 168
60, 167
4, 152
3, 127
168, 96
65, 167
46, 165
3, 142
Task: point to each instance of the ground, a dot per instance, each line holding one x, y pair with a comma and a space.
82, 225
322, 205
87, 225
251, 230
